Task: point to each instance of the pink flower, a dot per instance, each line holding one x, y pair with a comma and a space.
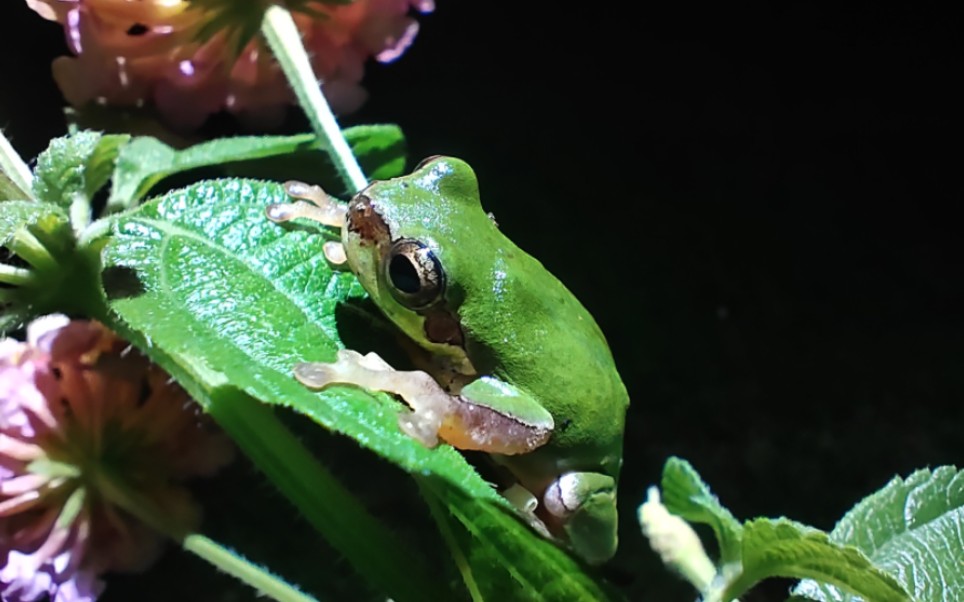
131, 53
89, 431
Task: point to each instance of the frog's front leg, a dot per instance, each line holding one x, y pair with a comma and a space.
583, 505
486, 415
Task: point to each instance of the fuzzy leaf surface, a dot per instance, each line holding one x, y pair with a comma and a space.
913, 529
687, 496
78, 164
784, 548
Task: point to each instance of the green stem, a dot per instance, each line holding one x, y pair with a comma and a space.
92, 232
79, 213
14, 167
144, 509
29, 248
284, 39
15, 276
240, 568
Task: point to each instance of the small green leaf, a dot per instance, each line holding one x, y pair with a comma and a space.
783, 548
912, 528
686, 495
74, 165
17, 214
146, 161
100, 163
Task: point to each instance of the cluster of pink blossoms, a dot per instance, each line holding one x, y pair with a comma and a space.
129, 53
90, 430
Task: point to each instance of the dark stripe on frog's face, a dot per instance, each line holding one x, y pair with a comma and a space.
364, 221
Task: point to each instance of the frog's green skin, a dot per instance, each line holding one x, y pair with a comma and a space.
501, 314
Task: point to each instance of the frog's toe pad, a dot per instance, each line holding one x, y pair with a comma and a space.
316, 375
350, 367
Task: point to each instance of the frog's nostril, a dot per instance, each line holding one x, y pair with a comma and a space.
365, 221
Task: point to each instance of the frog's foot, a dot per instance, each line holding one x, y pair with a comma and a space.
320, 208
486, 416
583, 506
526, 503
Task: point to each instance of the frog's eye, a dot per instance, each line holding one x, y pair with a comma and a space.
414, 274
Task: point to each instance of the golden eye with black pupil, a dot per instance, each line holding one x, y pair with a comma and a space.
413, 273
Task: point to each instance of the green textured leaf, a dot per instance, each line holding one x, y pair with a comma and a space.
912, 528
783, 548
16, 214
100, 163
79, 164
223, 295
146, 161
500, 558
686, 495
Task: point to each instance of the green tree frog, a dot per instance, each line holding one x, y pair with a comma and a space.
512, 364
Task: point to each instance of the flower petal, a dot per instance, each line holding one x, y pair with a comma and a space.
23, 484
20, 503
19, 450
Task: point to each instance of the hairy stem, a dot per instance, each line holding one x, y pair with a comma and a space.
143, 508
284, 39
14, 167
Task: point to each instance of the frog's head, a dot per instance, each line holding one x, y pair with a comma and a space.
410, 239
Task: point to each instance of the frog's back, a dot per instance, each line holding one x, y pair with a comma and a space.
538, 336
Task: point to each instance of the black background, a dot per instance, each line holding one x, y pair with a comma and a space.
758, 204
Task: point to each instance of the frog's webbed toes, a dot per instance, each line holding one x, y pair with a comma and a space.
319, 206
334, 252
306, 192
526, 503
350, 368
315, 375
